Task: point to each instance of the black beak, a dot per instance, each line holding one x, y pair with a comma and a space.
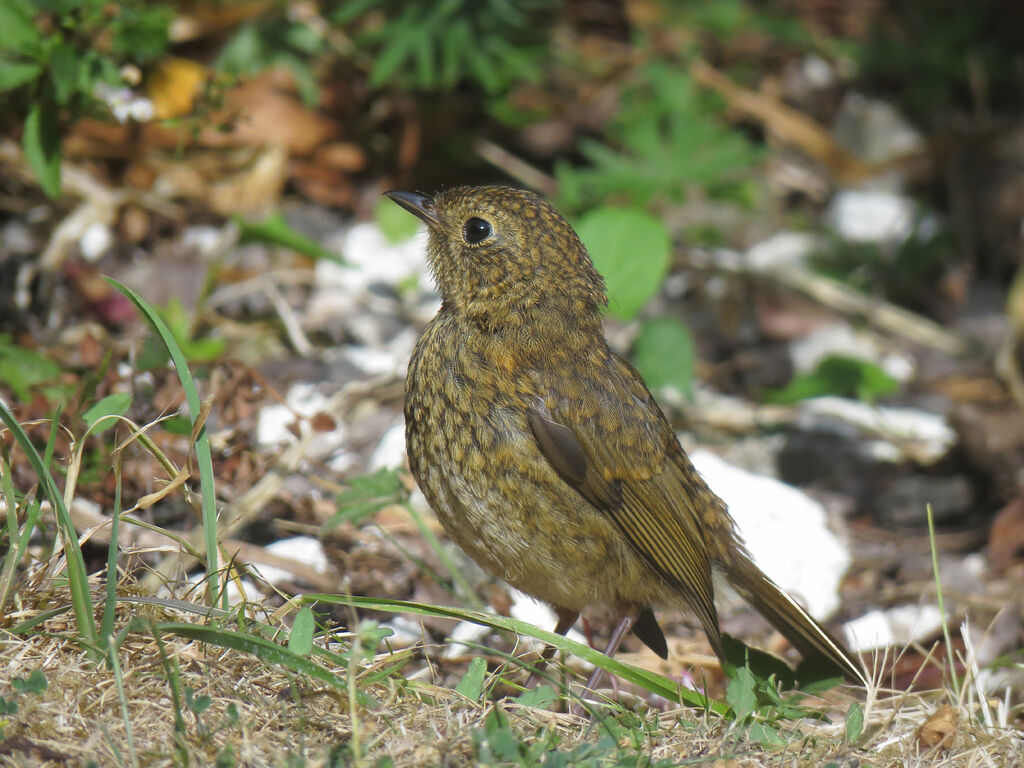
416, 204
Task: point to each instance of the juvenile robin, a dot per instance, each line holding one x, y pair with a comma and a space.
542, 452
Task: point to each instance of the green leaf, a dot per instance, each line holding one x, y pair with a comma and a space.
472, 683
19, 30
540, 697
23, 370
204, 456
366, 495
766, 735
16, 73
397, 224
663, 353
837, 375
631, 249
265, 649
34, 683
741, 694
300, 639
649, 681
197, 704
854, 723
40, 141
274, 230
64, 72
111, 405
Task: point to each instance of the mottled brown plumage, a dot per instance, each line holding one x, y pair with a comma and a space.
542, 452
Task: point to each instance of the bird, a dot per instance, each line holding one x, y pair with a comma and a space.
541, 450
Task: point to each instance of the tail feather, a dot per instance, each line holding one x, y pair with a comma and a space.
787, 616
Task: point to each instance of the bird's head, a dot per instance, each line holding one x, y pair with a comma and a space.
504, 256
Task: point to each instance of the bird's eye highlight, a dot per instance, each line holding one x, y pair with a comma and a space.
476, 230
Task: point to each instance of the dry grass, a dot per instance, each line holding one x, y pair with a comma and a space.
262, 714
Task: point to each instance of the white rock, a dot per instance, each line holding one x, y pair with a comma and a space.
464, 633
785, 531
875, 130
895, 627
302, 400
925, 437
96, 241
872, 216
783, 250
203, 239
304, 549
390, 451
373, 259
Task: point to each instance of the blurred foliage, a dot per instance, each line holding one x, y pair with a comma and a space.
397, 224
434, 45
54, 55
899, 273
181, 324
837, 375
274, 40
665, 354
24, 370
955, 56
666, 138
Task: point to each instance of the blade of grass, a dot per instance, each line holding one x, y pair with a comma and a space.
268, 651
78, 581
109, 603
204, 457
649, 681
14, 553
954, 681
119, 681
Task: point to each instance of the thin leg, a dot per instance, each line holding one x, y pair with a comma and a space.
621, 629
566, 619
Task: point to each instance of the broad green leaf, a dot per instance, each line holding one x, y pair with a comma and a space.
472, 683
111, 405
663, 353
397, 224
274, 230
23, 369
20, 34
40, 141
17, 73
64, 72
300, 639
766, 735
837, 375
34, 683
541, 697
631, 249
854, 723
741, 694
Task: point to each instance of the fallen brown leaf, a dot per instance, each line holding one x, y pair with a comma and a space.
940, 729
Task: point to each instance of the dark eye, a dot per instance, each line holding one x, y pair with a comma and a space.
476, 231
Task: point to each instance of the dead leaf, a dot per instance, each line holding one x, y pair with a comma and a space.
940, 729
1006, 539
173, 86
